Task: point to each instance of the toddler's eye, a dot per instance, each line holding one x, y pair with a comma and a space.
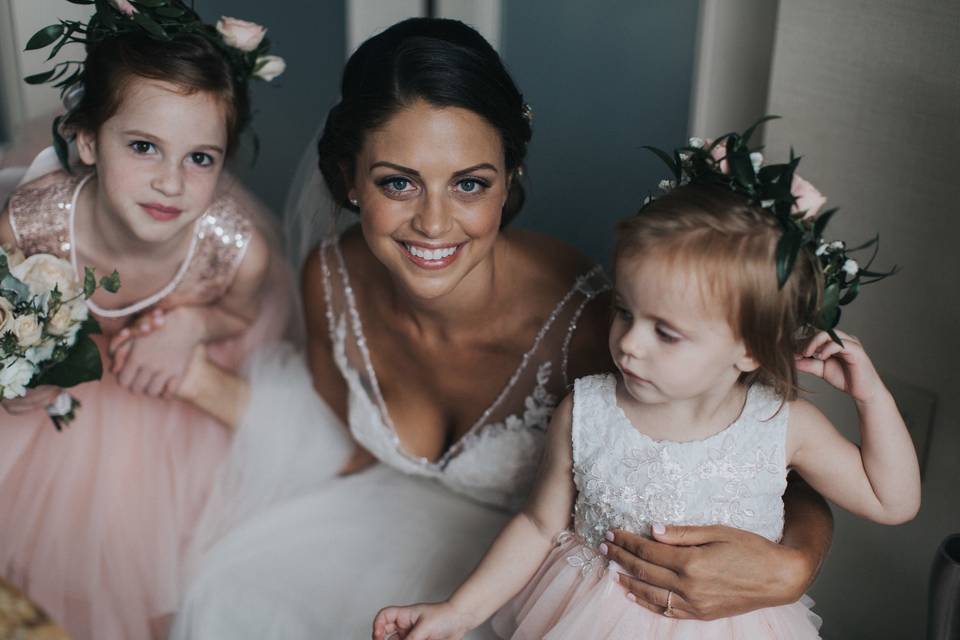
666, 335
142, 147
201, 159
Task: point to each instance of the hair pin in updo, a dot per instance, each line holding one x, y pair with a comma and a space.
527, 113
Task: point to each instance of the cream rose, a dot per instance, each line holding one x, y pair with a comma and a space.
240, 34
6, 315
27, 329
269, 67
42, 272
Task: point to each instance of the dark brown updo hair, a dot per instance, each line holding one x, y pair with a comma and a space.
731, 245
444, 62
188, 61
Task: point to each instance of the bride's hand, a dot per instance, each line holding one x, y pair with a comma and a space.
359, 460
707, 572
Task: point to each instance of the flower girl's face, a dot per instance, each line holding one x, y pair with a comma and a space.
431, 185
158, 158
669, 339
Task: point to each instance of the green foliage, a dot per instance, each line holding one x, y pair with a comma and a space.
769, 188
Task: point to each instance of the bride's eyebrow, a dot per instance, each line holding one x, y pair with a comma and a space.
414, 172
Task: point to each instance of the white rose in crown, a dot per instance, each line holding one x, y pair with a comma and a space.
269, 67
240, 34
42, 272
27, 329
15, 375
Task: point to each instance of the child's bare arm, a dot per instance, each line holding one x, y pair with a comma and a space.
515, 555
880, 479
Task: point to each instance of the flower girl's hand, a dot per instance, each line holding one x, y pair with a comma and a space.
440, 621
153, 360
122, 343
847, 368
36, 399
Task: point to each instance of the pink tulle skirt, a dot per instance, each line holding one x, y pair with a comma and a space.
574, 596
95, 520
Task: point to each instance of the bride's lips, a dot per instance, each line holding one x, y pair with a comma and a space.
428, 256
160, 212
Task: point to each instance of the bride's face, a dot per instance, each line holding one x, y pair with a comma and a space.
431, 185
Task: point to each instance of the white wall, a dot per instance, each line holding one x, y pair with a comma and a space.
869, 91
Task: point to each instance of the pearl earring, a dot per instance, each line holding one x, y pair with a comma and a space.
354, 202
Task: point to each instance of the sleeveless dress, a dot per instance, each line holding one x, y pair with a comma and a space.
96, 519
627, 480
317, 558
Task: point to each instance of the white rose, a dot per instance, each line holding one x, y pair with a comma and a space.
756, 159
42, 272
851, 267
61, 405
15, 375
42, 352
269, 67
696, 143
240, 34
6, 315
27, 329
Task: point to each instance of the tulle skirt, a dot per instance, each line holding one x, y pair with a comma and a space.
96, 518
575, 596
291, 551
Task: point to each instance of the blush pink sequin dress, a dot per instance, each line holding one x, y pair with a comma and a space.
94, 520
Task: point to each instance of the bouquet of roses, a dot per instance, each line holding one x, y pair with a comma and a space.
45, 328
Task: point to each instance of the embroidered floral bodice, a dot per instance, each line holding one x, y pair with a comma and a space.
627, 480
496, 460
42, 217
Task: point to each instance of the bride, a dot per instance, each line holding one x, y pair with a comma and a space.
438, 342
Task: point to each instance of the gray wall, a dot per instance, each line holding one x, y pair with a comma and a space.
603, 78
288, 111
869, 92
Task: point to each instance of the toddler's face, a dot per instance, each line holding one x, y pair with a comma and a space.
669, 339
158, 158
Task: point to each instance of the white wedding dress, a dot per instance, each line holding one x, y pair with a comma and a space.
294, 552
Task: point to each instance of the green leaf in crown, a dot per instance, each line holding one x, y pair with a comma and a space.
728, 161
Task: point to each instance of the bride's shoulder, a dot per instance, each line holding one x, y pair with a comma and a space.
545, 262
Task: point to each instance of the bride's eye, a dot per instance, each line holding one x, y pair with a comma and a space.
472, 185
396, 185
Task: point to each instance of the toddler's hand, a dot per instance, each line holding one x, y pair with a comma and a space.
421, 622
152, 357
847, 368
36, 399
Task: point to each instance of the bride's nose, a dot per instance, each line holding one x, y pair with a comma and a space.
432, 218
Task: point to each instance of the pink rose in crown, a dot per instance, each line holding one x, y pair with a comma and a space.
240, 34
719, 155
809, 200
124, 7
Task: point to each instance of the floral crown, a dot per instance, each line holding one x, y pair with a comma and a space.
729, 163
243, 44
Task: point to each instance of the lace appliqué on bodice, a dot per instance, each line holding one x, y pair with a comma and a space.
496, 460
42, 216
630, 481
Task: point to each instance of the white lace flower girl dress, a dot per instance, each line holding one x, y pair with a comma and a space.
627, 480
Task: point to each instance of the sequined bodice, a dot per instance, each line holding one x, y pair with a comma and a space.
495, 462
628, 480
42, 215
